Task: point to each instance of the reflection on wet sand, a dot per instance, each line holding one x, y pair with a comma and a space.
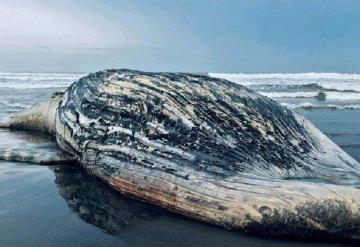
124, 221
35, 138
97, 204
32, 147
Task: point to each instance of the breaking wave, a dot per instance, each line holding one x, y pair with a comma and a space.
324, 81
336, 91
298, 87
13, 104
329, 95
309, 75
37, 80
311, 106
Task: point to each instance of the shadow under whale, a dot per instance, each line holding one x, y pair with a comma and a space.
126, 221
97, 204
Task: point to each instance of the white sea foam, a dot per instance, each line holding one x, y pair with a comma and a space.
329, 95
342, 90
13, 104
309, 106
334, 81
289, 94
309, 75
37, 80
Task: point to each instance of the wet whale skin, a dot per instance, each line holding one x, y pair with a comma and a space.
211, 150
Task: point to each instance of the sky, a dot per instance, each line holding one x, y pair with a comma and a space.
181, 36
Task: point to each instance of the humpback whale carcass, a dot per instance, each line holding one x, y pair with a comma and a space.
205, 148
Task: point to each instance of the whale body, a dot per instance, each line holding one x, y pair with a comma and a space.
206, 148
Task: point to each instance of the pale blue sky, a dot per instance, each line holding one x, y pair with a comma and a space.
194, 36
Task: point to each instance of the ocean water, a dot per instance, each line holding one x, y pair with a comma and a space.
64, 206
341, 91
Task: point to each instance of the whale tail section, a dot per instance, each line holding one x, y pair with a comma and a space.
40, 117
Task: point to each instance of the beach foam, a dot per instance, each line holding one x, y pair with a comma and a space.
37, 80
7, 103
309, 75
311, 106
329, 95
342, 90
327, 81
